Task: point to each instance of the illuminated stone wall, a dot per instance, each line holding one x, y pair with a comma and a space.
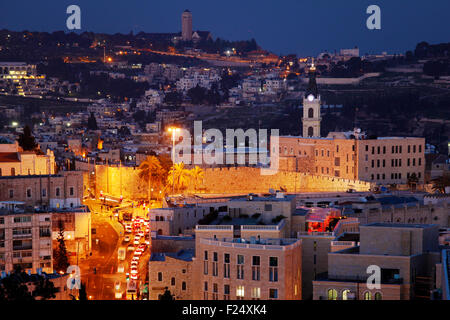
125, 181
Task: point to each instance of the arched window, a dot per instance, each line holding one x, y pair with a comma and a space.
345, 294
172, 281
160, 232
332, 294
310, 131
310, 113
367, 295
378, 296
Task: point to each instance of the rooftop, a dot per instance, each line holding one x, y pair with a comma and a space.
272, 198
185, 255
398, 225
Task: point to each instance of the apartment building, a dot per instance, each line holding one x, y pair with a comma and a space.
242, 269
25, 238
406, 255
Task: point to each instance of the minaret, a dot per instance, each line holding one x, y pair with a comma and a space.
311, 107
186, 25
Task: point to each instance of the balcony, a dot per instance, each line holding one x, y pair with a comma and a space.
17, 248
22, 236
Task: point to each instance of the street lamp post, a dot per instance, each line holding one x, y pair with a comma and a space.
173, 130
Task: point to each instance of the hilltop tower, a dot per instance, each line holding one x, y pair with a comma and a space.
186, 25
311, 107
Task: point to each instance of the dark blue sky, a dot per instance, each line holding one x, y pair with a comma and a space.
304, 27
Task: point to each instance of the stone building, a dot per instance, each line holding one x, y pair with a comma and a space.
62, 190
244, 269
384, 161
175, 220
406, 255
172, 271
14, 161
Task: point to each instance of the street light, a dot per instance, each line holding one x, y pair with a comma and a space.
173, 130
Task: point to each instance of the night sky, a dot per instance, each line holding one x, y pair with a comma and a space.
305, 27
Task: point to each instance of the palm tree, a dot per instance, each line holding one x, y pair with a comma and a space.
151, 171
197, 174
181, 176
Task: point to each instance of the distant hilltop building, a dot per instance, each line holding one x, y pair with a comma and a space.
186, 25
350, 52
186, 29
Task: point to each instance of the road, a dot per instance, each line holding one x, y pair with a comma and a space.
100, 271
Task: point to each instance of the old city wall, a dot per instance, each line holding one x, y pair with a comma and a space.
125, 181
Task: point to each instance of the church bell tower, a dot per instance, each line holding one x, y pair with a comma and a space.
311, 107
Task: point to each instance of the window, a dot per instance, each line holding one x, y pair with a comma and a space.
226, 292
226, 265
367, 295
215, 292
273, 269
205, 263
44, 192
205, 293
267, 207
240, 292
384, 149
378, 296
172, 281
256, 268
183, 286
215, 264
28, 193
414, 149
159, 276
256, 293
71, 191
11, 193
13, 171
240, 267
273, 293
310, 113
345, 294
420, 150
367, 148
384, 163
57, 192
332, 294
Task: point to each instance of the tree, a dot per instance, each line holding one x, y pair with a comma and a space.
151, 170
178, 176
26, 140
45, 289
61, 261
14, 288
197, 174
413, 180
92, 122
167, 296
